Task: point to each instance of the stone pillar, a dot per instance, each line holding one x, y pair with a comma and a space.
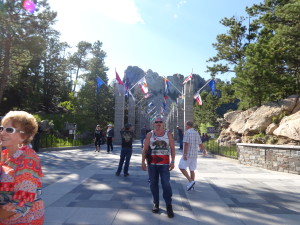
188, 102
119, 112
174, 109
138, 124
171, 125
180, 114
131, 112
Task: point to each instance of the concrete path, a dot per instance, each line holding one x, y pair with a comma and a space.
80, 188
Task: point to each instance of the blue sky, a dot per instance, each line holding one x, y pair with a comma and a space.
166, 36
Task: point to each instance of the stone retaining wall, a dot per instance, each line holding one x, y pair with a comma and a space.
283, 158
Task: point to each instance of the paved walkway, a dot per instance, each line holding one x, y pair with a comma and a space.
80, 187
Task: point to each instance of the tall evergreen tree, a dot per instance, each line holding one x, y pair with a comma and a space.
18, 28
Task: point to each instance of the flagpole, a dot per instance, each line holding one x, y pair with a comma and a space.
139, 101
190, 84
102, 81
117, 82
175, 87
203, 86
136, 83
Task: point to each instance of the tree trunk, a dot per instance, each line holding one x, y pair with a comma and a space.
6, 66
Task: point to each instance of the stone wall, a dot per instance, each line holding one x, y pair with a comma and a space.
282, 158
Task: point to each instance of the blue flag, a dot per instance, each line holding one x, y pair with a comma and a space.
212, 85
99, 83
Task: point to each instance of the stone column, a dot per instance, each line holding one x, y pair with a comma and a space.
188, 102
139, 119
174, 109
171, 125
119, 112
131, 112
180, 113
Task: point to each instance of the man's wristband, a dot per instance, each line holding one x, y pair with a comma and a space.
172, 162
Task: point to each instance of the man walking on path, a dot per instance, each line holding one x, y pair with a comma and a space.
159, 165
110, 136
126, 151
192, 141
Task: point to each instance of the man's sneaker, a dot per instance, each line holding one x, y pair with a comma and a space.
155, 208
170, 211
190, 185
117, 174
126, 174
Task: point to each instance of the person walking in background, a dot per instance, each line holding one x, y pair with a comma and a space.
192, 143
180, 137
36, 139
159, 164
109, 137
21, 174
143, 135
126, 150
98, 137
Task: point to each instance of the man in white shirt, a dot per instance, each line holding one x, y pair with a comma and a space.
191, 144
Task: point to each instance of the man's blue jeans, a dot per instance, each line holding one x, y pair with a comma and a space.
163, 171
142, 140
180, 143
124, 156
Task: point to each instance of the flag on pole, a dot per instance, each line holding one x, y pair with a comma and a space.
197, 97
99, 82
150, 104
119, 79
130, 93
143, 85
127, 84
167, 84
212, 85
164, 104
188, 79
148, 95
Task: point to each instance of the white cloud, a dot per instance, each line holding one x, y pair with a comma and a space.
181, 2
124, 11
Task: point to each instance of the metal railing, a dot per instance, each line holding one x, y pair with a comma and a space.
50, 140
227, 150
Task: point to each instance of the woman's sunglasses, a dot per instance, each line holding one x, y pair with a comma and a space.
10, 130
158, 122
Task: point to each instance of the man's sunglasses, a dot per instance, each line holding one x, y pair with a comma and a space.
10, 130
158, 122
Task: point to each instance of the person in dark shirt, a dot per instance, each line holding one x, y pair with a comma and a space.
36, 139
98, 138
126, 151
180, 137
110, 137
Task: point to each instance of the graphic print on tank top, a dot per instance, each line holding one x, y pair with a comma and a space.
160, 151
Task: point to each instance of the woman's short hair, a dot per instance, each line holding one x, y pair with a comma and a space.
25, 122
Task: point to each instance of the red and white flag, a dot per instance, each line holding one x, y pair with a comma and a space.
143, 85
197, 97
188, 79
119, 79
148, 95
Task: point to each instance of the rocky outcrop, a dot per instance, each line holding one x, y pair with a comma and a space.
275, 122
289, 127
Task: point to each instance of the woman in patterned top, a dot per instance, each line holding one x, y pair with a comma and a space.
20, 179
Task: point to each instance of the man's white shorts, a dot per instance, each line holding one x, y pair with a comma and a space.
190, 163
